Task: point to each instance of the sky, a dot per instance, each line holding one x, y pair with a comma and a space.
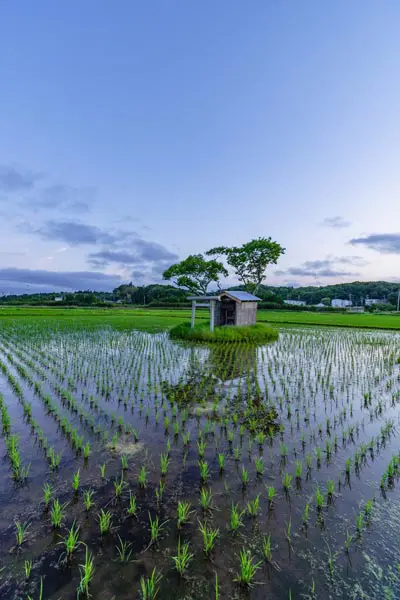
133, 134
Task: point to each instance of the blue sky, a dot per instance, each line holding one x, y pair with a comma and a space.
133, 134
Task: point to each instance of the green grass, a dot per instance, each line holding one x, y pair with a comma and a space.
201, 333
154, 320
364, 320
95, 318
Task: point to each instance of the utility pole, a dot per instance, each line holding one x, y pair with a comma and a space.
398, 301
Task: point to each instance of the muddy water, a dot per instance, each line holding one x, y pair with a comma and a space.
127, 390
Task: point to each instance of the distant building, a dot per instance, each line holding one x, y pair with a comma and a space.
356, 309
339, 303
58, 299
295, 302
320, 305
372, 301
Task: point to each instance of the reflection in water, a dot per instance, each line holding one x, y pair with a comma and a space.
231, 363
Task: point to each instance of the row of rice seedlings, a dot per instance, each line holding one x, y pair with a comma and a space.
19, 470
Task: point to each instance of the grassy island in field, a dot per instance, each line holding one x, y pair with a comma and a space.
201, 333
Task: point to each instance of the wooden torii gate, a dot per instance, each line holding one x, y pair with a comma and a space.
204, 302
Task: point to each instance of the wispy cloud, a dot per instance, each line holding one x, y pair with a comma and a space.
61, 197
142, 250
12, 279
336, 222
148, 258
16, 179
386, 243
76, 233
324, 268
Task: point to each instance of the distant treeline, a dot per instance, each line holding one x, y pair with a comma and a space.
169, 296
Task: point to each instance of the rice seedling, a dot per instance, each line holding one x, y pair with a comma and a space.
368, 508
266, 548
201, 448
142, 478
284, 452
160, 491
86, 571
124, 463
183, 558
156, 528
47, 495
299, 469
27, 568
124, 550
183, 513
86, 451
236, 518
248, 569
209, 537
206, 497
22, 528
306, 514
216, 587
88, 499
331, 561
105, 521
149, 586
119, 485
359, 523
259, 464
330, 488
253, 506
271, 494
245, 477
287, 482
71, 541
132, 508
289, 530
57, 514
54, 459
76, 481
204, 470
164, 460
221, 462
319, 498
103, 470
347, 542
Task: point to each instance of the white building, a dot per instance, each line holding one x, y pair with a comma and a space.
295, 302
371, 301
58, 299
339, 303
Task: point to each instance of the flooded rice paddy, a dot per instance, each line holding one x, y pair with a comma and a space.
137, 467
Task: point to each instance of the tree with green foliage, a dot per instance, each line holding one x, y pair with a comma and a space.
326, 301
125, 292
195, 273
250, 260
